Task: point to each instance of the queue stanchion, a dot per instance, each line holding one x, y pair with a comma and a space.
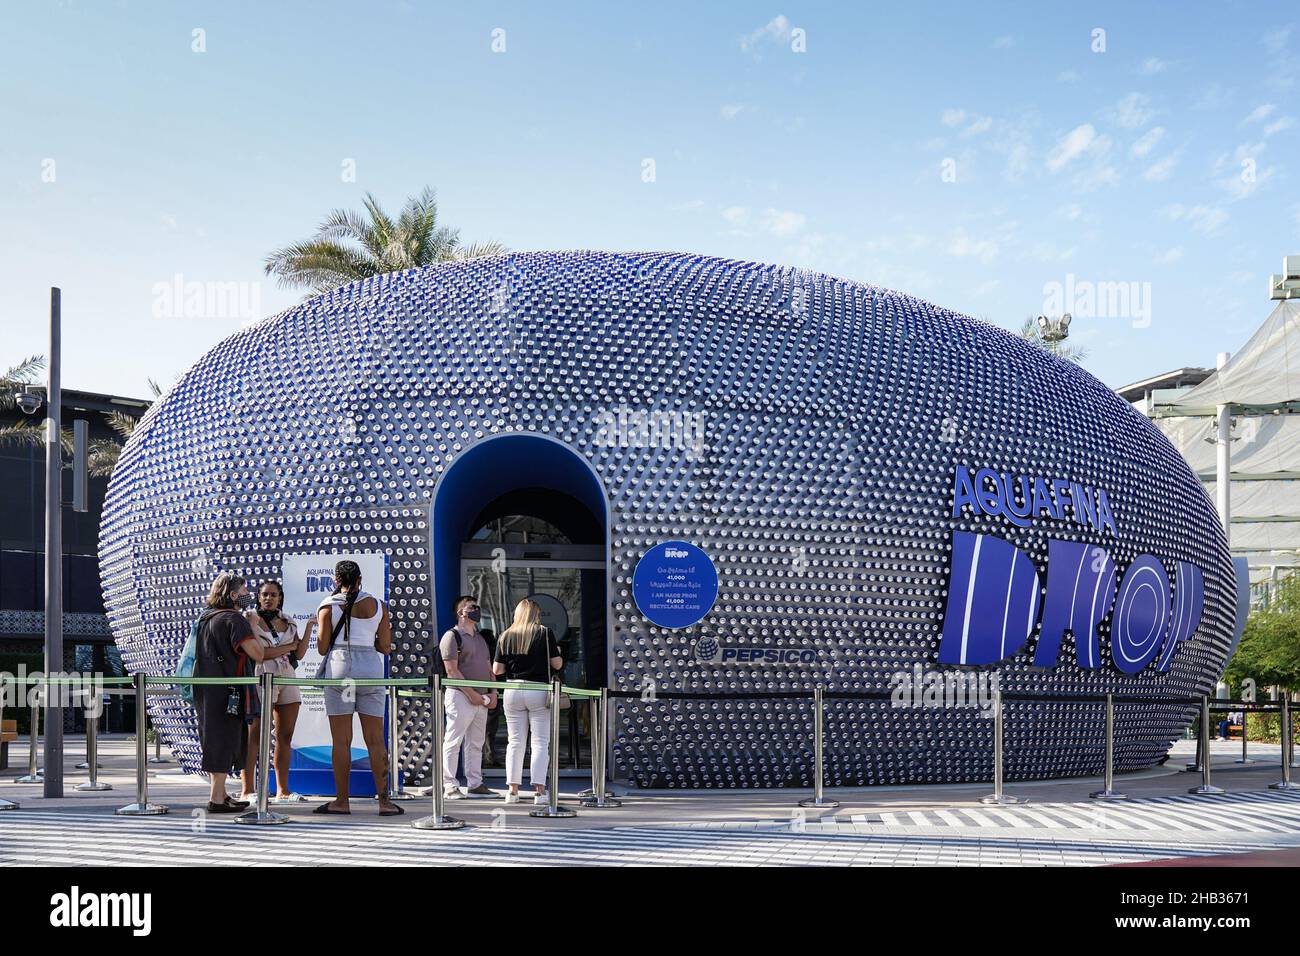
1288, 745
157, 746
553, 808
819, 766
396, 785
1245, 723
34, 773
1108, 792
5, 804
997, 797
92, 757
262, 814
142, 807
598, 798
438, 821
1205, 788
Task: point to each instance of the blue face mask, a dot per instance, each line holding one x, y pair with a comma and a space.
474, 615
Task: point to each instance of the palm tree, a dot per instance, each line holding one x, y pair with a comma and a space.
101, 453
1071, 353
350, 246
18, 379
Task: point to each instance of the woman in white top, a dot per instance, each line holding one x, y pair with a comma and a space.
354, 635
282, 647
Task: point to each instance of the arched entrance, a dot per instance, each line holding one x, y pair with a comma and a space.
524, 515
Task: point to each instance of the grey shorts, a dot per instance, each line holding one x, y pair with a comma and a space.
370, 701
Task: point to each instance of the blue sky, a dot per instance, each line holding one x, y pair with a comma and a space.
967, 156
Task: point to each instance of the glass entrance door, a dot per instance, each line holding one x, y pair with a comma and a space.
568, 582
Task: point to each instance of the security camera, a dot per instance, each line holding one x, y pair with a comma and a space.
29, 402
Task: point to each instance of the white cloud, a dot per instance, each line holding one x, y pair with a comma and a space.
1206, 220
1153, 65
952, 117
1071, 146
1158, 172
1068, 76
730, 111
1133, 111
736, 215
1148, 141
1017, 162
1261, 112
1171, 256
1071, 212
985, 248
1278, 125
981, 125
776, 30
1004, 43
1276, 39
780, 222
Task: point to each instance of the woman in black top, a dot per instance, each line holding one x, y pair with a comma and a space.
527, 652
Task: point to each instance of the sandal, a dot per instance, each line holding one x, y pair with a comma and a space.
289, 798
393, 810
325, 810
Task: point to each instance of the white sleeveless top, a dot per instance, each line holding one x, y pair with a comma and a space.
363, 630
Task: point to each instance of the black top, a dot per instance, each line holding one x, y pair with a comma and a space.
533, 665
218, 653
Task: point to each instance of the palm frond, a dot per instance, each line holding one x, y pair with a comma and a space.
476, 250
102, 457
33, 434
122, 423
24, 371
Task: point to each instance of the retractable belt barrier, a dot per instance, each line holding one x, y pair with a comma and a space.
431, 689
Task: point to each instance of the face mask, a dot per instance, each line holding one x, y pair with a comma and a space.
267, 616
243, 601
474, 615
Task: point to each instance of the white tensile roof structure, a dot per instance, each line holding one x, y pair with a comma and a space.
1260, 389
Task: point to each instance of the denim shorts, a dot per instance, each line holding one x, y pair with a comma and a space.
361, 664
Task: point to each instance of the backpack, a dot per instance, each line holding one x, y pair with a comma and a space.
185, 666
438, 665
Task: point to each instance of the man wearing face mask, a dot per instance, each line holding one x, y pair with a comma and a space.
465, 656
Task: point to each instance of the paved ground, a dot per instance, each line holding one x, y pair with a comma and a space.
1055, 825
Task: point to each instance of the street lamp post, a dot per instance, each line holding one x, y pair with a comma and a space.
54, 553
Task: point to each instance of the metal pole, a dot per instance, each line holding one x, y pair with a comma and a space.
997, 797
553, 808
606, 744
1223, 461
92, 756
142, 807
437, 821
599, 798
1205, 788
54, 548
34, 772
396, 786
1287, 746
1109, 792
819, 766
263, 814
5, 804
1245, 723
157, 745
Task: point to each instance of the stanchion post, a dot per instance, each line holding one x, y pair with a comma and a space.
5, 804
599, 798
553, 808
1108, 792
1288, 745
34, 773
819, 766
1245, 723
142, 807
1206, 788
157, 746
396, 785
437, 821
92, 757
263, 814
997, 797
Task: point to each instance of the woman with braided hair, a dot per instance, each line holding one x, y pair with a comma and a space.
353, 635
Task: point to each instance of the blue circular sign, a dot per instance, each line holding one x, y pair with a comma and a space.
674, 585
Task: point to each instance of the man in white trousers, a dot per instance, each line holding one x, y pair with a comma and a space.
465, 656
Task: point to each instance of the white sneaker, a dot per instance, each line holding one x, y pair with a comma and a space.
541, 800
453, 793
512, 798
